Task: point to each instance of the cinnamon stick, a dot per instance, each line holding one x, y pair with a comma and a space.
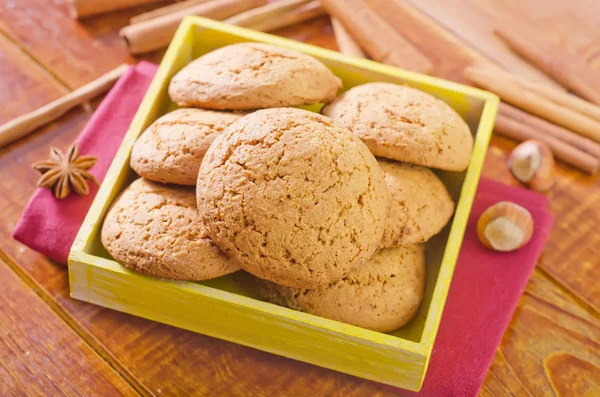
156, 33
545, 127
378, 39
534, 103
562, 98
345, 42
86, 8
552, 59
257, 15
521, 132
164, 10
305, 12
23, 125
278, 15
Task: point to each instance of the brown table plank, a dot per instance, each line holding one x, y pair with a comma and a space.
449, 55
474, 25
40, 355
576, 265
572, 254
316, 32
103, 28
29, 85
162, 358
573, 24
501, 381
159, 357
551, 347
62, 45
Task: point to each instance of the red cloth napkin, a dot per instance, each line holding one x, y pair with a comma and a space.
49, 225
485, 289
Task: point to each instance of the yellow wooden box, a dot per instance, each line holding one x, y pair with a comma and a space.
222, 309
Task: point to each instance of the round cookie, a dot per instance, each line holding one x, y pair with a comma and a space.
405, 124
382, 295
292, 197
420, 205
171, 149
253, 76
155, 230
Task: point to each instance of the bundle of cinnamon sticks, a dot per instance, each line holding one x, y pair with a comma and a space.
155, 29
87, 8
569, 124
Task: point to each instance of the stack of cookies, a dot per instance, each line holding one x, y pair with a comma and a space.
295, 198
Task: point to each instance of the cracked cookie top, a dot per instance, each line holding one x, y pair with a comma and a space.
292, 197
171, 149
382, 295
405, 124
420, 205
253, 76
155, 229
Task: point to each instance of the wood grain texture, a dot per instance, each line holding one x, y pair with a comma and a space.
40, 355
59, 43
582, 263
85, 8
551, 347
316, 32
26, 86
552, 324
567, 69
102, 28
449, 55
156, 12
571, 24
376, 37
161, 358
345, 43
572, 253
156, 33
26, 124
475, 25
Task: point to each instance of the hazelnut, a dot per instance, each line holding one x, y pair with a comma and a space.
505, 226
532, 163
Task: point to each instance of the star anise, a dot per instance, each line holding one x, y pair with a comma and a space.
66, 170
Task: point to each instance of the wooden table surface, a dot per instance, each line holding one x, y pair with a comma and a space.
53, 345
